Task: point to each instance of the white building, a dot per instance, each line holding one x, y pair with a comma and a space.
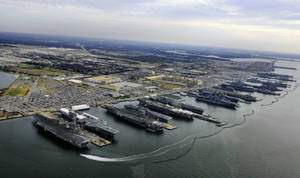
80, 107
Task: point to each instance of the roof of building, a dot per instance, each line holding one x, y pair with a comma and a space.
80, 107
75, 81
127, 84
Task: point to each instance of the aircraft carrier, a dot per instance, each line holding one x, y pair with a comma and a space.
99, 127
148, 113
123, 114
179, 113
208, 92
268, 83
215, 98
175, 103
167, 109
216, 101
61, 131
267, 87
90, 123
233, 93
241, 86
280, 77
266, 92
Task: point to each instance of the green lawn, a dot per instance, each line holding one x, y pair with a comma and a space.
17, 91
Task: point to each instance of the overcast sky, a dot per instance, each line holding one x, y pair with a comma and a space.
272, 25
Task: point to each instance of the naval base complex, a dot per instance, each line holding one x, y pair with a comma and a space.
153, 113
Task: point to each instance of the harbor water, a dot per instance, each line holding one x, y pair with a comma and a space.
6, 79
266, 145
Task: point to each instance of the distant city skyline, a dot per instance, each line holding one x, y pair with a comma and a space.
265, 25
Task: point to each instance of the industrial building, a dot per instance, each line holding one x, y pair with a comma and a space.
80, 107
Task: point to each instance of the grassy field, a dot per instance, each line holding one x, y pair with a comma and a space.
50, 90
111, 87
169, 86
155, 77
32, 70
2, 115
17, 91
10, 115
42, 81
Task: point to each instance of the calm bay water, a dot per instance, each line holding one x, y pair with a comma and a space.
6, 79
267, 145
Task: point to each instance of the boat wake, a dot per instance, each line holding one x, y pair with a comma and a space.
157, 152
102, 159
276, 99
188, 141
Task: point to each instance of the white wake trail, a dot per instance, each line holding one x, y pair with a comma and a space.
160, 151
121, 159
157, 152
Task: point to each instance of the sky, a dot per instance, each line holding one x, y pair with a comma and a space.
266, 25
